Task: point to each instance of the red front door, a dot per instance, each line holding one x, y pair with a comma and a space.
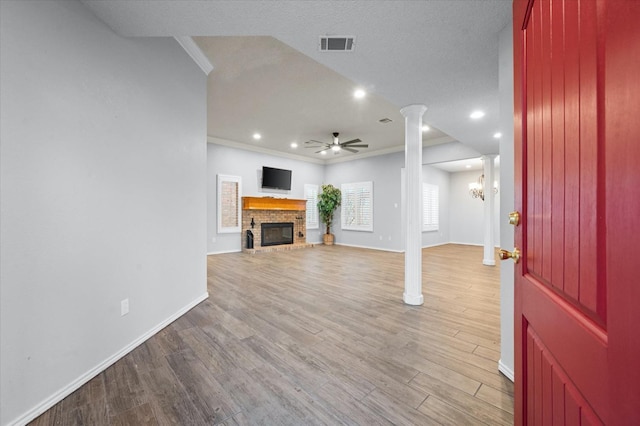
577, 136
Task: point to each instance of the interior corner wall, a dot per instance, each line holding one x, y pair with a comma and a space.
467, 213
103, 195
385, 173
442, 179
223, 159
506, 199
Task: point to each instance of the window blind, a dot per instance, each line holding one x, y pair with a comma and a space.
357, 206
311, 195
430, 207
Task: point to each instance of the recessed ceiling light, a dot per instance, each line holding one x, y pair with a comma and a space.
257, 136
497, 135
359, 94
468, 166
323, 152
426, 128
477, 114
294, 145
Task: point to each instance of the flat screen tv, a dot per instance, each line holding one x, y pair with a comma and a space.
276, 178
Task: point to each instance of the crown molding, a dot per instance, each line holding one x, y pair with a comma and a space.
262, 150
195, 52
368, 154
238, 145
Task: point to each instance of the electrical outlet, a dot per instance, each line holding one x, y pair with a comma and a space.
124, 307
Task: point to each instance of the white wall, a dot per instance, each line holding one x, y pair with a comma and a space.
385, 173
506, 199
103, 174
441, 178
466, 213
248, 165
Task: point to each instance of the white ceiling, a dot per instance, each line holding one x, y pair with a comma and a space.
260, 84
269, 75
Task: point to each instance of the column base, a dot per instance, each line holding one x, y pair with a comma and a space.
489, 262
413, 300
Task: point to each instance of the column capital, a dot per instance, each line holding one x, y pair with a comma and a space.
416, 110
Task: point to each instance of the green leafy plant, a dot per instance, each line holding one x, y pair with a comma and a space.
328, 201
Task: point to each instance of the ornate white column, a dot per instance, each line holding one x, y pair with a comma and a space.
489, 209
413, 211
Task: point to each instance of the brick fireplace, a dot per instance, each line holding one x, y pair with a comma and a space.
267, 210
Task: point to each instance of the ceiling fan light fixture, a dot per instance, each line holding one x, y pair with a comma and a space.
336, 146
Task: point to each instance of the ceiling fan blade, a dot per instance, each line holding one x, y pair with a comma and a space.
346, 148
351, 141
312, 141
356, 146
313, 146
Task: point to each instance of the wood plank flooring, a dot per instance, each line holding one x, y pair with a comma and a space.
316, 337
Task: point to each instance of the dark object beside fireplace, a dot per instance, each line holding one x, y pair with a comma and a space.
249, 239
274, 234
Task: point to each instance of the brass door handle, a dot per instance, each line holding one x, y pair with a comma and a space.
515, 255
514, 218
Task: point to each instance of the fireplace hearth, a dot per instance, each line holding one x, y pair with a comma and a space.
274, 234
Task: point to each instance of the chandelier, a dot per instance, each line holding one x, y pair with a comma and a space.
476, 189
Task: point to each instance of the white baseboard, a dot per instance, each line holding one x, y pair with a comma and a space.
466, 244
368, 247
506, 371
224, 251
471, 244
77, 383
402, 251
435, 245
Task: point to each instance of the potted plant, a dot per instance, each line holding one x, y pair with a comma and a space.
328, 201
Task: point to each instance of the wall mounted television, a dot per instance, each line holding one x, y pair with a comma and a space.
276, 178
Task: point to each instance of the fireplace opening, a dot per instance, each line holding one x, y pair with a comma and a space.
276, 233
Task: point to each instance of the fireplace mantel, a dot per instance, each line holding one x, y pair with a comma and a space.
269, 203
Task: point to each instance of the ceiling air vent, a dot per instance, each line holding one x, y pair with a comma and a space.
337, 43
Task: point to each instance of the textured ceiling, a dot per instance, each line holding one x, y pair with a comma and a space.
443, 54
260, 84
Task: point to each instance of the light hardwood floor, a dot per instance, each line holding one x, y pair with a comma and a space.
316, 336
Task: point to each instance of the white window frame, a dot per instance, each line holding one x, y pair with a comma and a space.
430, 207
221, 180
311, 195
352, 216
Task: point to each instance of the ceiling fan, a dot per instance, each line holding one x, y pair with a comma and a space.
336, 146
